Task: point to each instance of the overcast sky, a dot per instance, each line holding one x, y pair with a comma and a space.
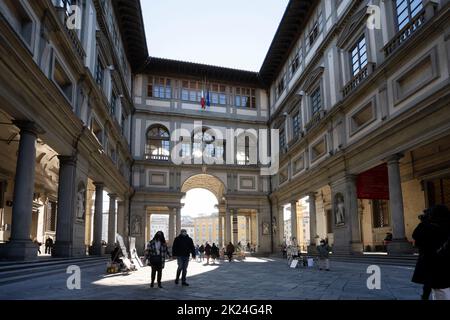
229, 33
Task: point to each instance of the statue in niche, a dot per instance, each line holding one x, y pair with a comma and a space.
274, 225
266, 228
136, 225
81, 202
339, 211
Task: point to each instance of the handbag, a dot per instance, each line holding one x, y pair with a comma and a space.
155, 261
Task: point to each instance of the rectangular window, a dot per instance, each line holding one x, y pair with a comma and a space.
112, 109
99, 72
316, 101
245, 97
62, 80
296, 124
282, 139
359, 56
406, 11
280, 86
161, 88
19, 19
380, 209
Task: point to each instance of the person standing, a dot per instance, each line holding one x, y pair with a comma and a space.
48, 245
183, 247
324, 253
197, 252
207, 252
201, 250
214, 253
230, 251
433, 265
156, 255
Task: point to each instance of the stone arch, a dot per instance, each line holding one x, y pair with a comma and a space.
205, 181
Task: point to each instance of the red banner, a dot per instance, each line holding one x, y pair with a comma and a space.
373, 183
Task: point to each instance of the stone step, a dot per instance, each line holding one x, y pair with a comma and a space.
23, 275
14, 265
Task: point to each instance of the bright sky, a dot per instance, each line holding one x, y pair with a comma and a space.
199, 201
231, 33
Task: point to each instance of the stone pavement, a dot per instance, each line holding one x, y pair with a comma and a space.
254, 278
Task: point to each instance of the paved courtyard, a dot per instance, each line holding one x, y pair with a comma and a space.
254, 278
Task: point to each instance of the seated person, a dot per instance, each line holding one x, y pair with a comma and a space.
116, 254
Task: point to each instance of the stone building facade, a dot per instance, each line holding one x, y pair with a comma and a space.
358, 91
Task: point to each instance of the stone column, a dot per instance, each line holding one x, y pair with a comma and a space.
220, 235
97, 248
178, 217
312, 222
171, 234
112, 222
294, 220
247, 229
228, 226
20, 247
235, 227
66, 206
399, 244
352, 195
120, 217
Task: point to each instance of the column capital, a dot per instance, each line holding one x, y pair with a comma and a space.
293, 202
99, 185
112, 196
312, 194
395, 158
28, 126
67, 160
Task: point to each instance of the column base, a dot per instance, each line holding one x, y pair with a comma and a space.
400, 247
62, 250
19, 250
357, 248
96, 250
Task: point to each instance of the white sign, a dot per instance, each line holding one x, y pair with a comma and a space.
122, 245
294, 263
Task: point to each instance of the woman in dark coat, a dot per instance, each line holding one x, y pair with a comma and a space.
207, 252
432, 270
156, 254
214, 253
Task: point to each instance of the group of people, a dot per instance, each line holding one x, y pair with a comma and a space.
48, 245
432, 238
323, 251
157, 252
182, 248
213, 252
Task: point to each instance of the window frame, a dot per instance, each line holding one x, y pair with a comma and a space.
159, 142
356, 45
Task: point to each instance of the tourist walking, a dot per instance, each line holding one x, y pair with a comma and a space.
324, 253
48, 245
214, 253
201, 250
156, 255
183, 247
207, 252
197, 253
230, 251
431, 237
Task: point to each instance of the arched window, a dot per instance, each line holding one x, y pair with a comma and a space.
204, 141
158, 143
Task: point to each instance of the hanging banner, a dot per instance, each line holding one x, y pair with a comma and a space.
373, 183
